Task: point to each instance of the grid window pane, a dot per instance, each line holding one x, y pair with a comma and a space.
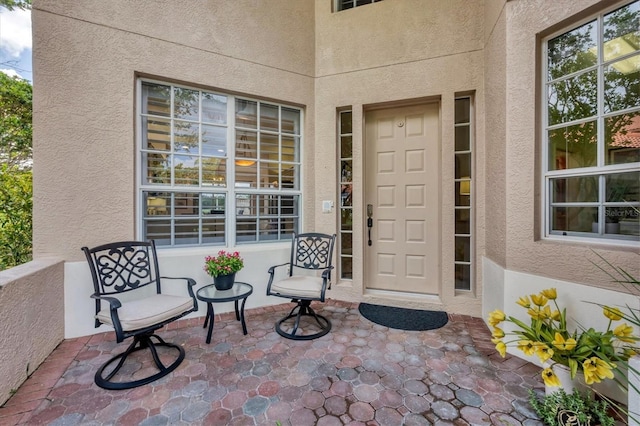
214, 108
622, 138
346, 268
246, 114
156, 99
573, 147
574, 98
158, 133
194, 158
583, 189
575, 219
592, 164
290, 120
214, 141
572, 51
463, 277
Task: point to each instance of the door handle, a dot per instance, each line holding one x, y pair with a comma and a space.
369, 219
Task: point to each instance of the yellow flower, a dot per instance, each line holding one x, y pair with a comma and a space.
527, 346
536, 313
614, 314
550, 293
497, 332
496, 317
596, 369
543, 351
502, 349
546, 312
524, 302
539, 299
550, 378
624, 332
564, 345
556, 316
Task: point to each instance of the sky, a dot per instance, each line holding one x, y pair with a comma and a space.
15, 43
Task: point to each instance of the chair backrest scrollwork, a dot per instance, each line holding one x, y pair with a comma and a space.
312, 251
123, 266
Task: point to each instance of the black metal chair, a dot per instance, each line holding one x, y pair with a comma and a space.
308, 277
124, 274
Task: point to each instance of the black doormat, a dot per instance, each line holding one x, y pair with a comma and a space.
402, 318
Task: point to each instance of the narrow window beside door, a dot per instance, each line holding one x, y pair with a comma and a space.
463, 261
345, 154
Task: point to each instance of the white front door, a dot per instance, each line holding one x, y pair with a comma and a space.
402, 185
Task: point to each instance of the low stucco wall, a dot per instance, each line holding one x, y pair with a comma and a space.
31, 319
582, 311
186, 262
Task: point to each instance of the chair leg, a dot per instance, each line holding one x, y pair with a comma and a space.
140, 342
303, 309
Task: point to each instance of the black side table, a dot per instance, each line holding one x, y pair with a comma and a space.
210, 294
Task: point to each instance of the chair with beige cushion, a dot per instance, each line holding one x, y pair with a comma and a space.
129, 297
308, 275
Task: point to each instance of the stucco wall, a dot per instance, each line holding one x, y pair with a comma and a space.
275, 33
495, 148
31, 319
87, 56
386, 52
525, 251
394, 32
85, 62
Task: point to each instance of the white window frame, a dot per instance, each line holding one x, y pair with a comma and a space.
231, 190
338, 5
600, 170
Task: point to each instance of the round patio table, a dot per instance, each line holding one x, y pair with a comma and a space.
210, 294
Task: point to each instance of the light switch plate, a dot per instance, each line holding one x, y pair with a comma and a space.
327, 206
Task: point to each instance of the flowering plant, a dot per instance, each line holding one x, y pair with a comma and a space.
593, 352
224, 263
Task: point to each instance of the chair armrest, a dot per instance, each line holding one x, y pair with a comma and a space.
272, 269
272, 273
114, 304
190, 284
326, 275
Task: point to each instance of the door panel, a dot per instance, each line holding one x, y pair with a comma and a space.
402, 181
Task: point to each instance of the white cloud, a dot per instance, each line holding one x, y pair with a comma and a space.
15, 31
11, 73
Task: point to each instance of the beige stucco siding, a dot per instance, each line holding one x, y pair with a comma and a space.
525, 251
276, 33
495, 148
84, 102
394, 32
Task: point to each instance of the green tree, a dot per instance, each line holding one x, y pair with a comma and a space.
15, 216
15, 171
15, 121
16, 4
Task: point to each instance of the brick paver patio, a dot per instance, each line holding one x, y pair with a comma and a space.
360, 373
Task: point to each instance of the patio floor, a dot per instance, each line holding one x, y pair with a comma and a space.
360, 373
